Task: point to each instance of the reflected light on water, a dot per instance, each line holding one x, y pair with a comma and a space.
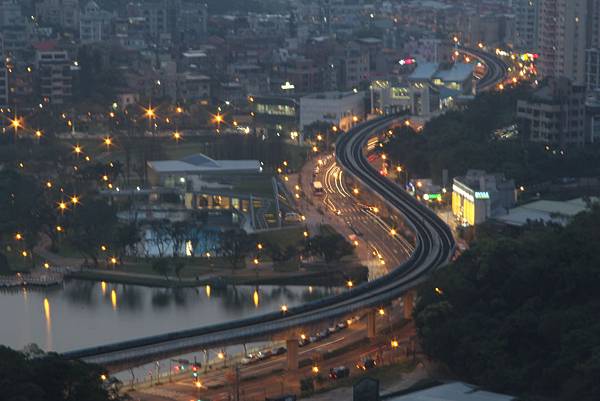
255, 297
113, 299
103, 286
208, 291
48, 318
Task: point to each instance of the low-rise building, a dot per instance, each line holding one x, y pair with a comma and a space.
555, 114
3, 84
276, 115
176, 173
341, 109
478, 196
545, 211
434, 87
193, 87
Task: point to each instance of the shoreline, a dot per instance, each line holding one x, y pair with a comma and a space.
331, 277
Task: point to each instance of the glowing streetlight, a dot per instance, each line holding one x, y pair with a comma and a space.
46, 265
74, 199
38, 134
108, 142
394, 343
305, 233
315, 149
255, 261
59, 229
18, 236
62, 206
381, 311
355, 191
150, 113
259, 246
113, 260
315, 369
177, 136
48, 184
221, 355
350, 284
393, 232
16, 123
284, 308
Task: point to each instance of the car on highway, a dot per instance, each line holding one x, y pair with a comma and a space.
303, 341
262, 355
278, 350
339, 372
313, 339
366, 364
332, 329
342, 325
321, 335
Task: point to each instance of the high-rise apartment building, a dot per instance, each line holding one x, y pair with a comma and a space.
526, 24
54, 73
563, 37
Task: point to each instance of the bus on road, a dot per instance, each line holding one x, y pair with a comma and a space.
317, 188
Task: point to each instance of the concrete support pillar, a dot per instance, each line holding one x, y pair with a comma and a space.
371, 324
292, 354
408, 300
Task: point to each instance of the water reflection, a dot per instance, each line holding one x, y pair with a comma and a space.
48, 318
255, 297
85, 313
113, 299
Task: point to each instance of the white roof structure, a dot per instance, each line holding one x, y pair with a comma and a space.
544, 211
456, 391
200, 163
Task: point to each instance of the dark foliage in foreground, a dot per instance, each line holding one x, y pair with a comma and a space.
48, 377
519, 313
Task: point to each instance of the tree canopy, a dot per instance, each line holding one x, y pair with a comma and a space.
518, 312
49, 377
464, 139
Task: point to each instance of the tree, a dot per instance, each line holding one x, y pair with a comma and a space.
91, 224
50, 377
329, 247
235, 245
161, 266
126, 237
517, 312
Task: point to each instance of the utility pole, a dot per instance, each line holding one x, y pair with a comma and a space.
237, 382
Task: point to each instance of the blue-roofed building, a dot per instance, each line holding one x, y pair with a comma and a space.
175, 173
435, 87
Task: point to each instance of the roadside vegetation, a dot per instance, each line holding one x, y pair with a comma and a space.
34, 375
462, 140
518, 312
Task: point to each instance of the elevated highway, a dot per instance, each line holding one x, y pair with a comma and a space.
497, 69
434, 246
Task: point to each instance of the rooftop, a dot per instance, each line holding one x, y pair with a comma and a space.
200, 163
544, 211
332, 95
456, 391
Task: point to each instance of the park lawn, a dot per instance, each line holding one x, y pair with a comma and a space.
284, 237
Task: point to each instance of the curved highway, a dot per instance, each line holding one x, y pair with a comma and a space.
497, 69
434, 247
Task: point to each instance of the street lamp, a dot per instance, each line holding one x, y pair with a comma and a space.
177, 136
108, 142
284, 308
